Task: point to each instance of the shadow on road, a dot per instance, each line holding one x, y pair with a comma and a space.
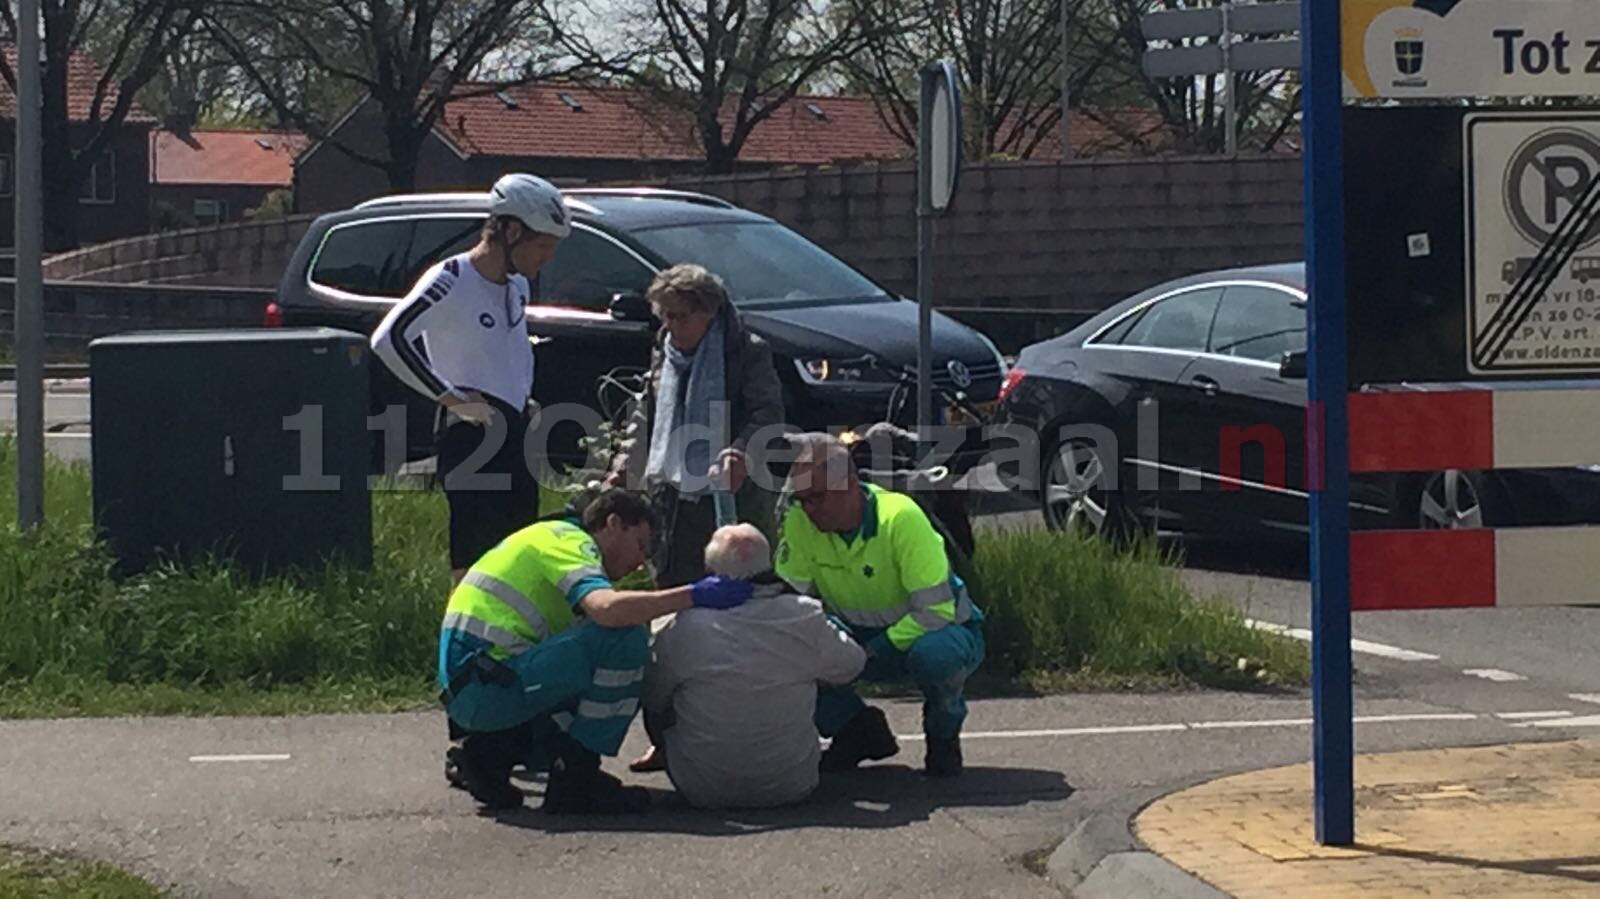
874, 797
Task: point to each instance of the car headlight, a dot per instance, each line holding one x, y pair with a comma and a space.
834, 371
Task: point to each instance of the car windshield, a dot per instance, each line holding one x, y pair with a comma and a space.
760, 261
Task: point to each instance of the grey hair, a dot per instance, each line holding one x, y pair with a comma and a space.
818, 450
738, 551
699, 287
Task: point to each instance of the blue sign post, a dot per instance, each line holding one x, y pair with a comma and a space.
1327, 425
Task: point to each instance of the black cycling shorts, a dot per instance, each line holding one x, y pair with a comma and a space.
488, 482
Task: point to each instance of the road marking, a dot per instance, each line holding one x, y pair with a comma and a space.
1366, 646
1279, 722
1395, 719
1585, 721
275, 757
1585, 697
1061, 732
1213, 725
1495, 674
1526, 716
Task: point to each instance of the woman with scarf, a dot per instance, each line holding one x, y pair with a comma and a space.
711, 388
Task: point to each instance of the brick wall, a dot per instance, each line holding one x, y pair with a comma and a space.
247, 254
1042, 245
76, 312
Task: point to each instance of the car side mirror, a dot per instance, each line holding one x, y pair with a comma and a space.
1293, 365
630, 307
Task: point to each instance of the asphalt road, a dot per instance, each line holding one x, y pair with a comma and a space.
356, 805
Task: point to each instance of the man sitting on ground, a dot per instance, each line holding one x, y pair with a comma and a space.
732, 696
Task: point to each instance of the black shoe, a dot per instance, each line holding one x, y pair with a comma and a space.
485, 763
943, 758
452, 768
577, 786
866, 738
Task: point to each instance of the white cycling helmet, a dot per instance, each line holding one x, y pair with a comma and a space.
533, 201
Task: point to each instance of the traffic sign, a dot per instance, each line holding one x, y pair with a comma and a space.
1222, 24
1533, 242
1223, 54
939, 160
1450, 49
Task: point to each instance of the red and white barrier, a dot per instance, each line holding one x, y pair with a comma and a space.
1482, 568
1429, 430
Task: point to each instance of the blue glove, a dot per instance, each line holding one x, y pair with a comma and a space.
718, 592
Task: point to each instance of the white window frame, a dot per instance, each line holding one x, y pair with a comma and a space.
109, 159
216, 217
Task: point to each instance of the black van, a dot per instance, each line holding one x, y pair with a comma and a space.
588, 319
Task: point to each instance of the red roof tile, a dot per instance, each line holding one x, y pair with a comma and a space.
83, 77
620, 123
263, 158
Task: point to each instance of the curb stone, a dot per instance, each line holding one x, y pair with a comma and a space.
1100, 857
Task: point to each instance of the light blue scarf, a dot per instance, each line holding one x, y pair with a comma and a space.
678, 456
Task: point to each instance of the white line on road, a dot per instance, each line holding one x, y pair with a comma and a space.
1527, 716
1062, 732
275, 757
1585, 721
1278, 722
1395, 719
1208, 725
1366, 646
1497, 675
1585, 697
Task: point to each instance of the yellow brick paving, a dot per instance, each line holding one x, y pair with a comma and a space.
1520, 820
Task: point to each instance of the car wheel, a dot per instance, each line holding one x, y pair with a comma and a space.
1079, 493
1453, 500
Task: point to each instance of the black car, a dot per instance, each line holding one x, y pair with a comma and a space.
589, 320
1182, 409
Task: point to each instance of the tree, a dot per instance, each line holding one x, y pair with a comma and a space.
199, 86
310, 60
1008, 54
724, 65
128, 40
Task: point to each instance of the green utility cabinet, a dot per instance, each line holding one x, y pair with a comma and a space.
246, 444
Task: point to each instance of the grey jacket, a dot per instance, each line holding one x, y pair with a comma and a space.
756, 395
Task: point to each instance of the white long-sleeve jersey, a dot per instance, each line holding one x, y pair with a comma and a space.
456, 331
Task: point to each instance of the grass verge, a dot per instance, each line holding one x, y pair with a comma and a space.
37, 874
1062, 613
1070, 611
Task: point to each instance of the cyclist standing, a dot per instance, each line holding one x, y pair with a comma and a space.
460, 339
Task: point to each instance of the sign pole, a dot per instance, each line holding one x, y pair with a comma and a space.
1230, 79
28, 295
939, 162
925, 245
1328, 428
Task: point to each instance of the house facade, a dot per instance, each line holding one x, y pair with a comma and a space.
114, 200
203, 177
